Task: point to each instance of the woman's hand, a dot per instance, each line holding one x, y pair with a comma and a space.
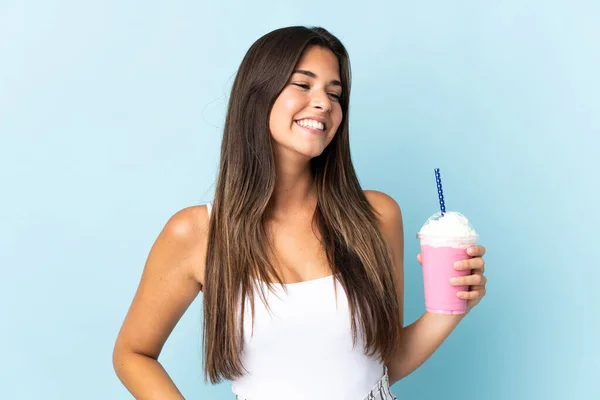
476, 280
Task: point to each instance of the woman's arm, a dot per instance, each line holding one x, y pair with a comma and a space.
171, 280
418, 341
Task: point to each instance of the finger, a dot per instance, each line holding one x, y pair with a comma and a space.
475, 279
419, 258
476, 251
471, 263
472, 295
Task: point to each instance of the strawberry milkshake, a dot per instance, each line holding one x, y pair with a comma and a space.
445, 240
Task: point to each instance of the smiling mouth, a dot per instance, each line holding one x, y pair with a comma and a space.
314, 131
311, 125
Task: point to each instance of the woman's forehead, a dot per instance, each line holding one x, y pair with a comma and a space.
319, 61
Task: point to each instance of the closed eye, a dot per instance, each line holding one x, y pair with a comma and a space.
305, 86
302, 85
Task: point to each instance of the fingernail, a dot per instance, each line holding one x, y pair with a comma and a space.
453, 280
458, 264
460, 294
471, 251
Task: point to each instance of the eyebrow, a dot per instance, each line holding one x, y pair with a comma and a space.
313, 75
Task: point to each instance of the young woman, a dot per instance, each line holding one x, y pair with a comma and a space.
301, 270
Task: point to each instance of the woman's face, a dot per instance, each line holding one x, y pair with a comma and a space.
307, 113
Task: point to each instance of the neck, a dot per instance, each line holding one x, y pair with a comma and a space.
295, 191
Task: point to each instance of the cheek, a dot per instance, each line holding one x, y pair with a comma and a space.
275, 119
289, 106
337, 116
282, 113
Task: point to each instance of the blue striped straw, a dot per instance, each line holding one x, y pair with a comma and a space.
440, 191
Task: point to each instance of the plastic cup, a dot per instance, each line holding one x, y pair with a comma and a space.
439, 252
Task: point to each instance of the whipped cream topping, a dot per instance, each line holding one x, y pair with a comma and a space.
452, 229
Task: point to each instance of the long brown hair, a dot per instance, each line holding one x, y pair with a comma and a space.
239, 248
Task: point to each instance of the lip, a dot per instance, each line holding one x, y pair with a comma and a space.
310, 130
316, 118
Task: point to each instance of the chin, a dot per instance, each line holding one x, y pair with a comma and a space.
311, 149
311, 153
302, 148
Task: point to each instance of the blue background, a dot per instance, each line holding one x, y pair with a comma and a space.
111, 115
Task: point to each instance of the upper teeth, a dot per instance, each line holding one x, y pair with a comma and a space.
311, 123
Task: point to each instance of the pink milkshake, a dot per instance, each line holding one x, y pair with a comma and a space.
445, 240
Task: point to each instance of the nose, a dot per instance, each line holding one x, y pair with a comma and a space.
321, 101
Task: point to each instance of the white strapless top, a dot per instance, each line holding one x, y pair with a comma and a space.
303, 348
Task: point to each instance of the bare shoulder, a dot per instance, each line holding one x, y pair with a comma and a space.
387, 208
187, 233
171, 280
392, 229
